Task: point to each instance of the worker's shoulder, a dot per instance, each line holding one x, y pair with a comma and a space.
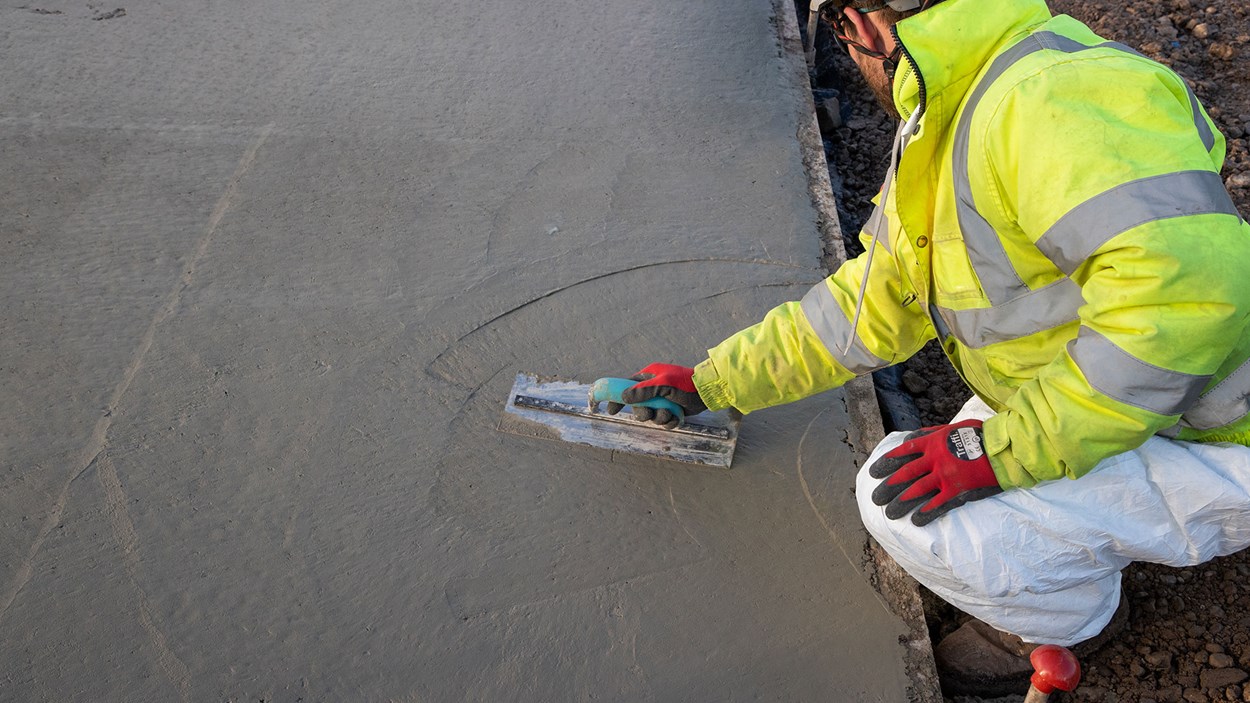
1047, 72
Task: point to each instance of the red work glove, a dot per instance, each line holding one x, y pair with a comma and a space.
940, 467
667, 381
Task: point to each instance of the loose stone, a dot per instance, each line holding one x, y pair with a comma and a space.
1220, 660
1221, 678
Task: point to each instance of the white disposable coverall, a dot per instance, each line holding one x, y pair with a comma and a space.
1044, 563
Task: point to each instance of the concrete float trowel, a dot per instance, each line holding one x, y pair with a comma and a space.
569, 411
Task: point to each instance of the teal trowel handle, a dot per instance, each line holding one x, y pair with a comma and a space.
610, 390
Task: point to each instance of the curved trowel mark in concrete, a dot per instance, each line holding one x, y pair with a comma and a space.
853, 553
518, 511
602, 314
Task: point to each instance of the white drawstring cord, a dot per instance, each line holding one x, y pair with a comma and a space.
900, 142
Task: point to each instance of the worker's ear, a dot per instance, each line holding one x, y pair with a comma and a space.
867, 31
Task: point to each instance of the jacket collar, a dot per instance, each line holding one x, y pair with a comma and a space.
946, 46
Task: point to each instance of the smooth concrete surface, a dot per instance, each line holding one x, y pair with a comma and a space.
268, 270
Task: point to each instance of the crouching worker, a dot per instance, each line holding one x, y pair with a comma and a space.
1054, 215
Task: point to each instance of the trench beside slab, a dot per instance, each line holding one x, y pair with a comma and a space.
268, 272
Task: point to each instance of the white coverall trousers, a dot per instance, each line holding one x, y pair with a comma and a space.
1044, 563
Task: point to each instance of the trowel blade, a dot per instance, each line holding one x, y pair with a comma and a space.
557, 409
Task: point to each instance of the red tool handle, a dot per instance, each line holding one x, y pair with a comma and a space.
1054, 667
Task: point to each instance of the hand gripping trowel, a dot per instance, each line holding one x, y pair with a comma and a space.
569, 411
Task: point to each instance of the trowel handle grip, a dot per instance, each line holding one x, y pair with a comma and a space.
610, 389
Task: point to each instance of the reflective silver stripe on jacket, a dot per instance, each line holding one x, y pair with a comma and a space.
1204, 129
1024, 311
883, 237
1121, 376
1043, 309
1226, 403
1086, 227
833, 328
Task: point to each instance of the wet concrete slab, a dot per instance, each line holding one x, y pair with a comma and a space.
268, 273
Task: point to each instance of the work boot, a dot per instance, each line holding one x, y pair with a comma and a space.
977, 660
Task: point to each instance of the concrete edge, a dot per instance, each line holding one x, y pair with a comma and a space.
900, 591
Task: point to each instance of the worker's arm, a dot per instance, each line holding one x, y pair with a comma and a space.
1108, 165
798, 348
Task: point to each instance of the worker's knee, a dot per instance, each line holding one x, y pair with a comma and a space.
891, 534
872, 515
917, 550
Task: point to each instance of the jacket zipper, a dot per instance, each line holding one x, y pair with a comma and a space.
911, 65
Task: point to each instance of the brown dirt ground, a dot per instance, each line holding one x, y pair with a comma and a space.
1189, 632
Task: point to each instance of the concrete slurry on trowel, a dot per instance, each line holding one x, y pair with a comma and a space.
569, 411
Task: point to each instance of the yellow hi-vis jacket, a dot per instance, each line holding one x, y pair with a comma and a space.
1059, 223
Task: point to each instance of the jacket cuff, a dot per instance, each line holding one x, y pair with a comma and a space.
1009, 472
713, 389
